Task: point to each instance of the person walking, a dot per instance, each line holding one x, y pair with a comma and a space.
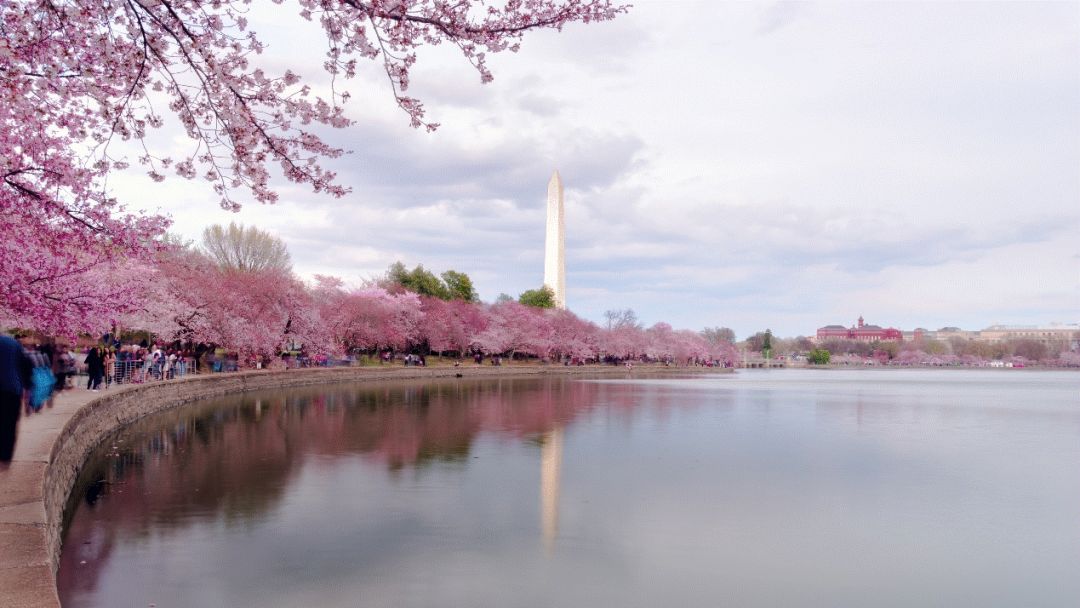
95, 368
108, 365
14, 378
42, 380
63, 367
147, 362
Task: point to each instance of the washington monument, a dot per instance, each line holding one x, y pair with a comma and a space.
554, 249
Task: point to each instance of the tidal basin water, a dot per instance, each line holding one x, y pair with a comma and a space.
763, 488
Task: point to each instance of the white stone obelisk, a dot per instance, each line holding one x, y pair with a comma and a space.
554, 248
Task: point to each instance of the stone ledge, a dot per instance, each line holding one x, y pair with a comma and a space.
53, 446
29, 587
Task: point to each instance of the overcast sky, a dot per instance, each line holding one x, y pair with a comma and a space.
748, 165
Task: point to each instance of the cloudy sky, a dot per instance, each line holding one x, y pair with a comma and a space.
748, 165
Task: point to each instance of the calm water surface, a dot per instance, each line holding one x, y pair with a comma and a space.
767, 488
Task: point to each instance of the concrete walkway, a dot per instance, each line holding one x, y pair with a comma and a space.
26, 575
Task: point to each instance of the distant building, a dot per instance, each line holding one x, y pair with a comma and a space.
1053, 335
914, 334
945, 333
861, 332
1050, 335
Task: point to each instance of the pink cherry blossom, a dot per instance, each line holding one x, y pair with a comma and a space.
77, 76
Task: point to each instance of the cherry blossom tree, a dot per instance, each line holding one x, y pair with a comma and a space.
258, 312
515, 328
451, 326
679, 346
189, 297
77, 76
163, 308
66, 269
623, 337
185, 295
372, 318
659, 344
725, 353
572, 336
690, 345
972, 360
1069, 359
440, 327
911, 357
86, 297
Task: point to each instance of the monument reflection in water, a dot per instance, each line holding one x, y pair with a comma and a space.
790, 488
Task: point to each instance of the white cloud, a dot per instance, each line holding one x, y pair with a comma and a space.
784, 166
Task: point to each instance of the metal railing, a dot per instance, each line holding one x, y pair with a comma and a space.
138, 372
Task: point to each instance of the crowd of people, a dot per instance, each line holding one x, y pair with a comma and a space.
33, 371
134, 363
31, 374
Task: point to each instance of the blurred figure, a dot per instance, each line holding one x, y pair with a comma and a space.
147, 362
108, 365
14, 378
63, 367
42, 381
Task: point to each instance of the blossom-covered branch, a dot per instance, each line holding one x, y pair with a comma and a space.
76, 76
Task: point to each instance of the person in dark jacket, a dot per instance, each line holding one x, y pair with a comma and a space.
95, 368
14, 379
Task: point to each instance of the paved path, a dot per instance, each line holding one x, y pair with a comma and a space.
26, 576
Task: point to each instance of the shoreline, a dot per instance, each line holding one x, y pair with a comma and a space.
1029, 368
53, 445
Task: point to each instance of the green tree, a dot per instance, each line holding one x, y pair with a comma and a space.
754, 343
397, 274
460, 286
418, 280
540, 298
818, 356
766, 344
453, 285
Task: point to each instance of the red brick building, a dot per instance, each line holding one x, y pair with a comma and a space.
861, 332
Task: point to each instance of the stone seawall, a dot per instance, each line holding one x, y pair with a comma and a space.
53, 447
